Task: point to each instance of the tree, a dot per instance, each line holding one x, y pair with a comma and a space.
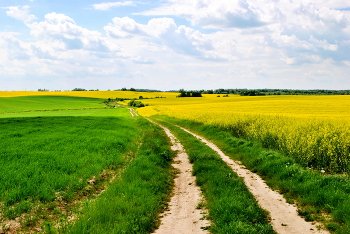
79, 89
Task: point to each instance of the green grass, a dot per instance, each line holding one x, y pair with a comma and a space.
46, 162
232, 208
314, 192
132, 203
43, 155
47, 158
85, 112
35, 103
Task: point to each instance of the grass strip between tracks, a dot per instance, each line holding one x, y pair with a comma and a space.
132, 203
232, 209
319, 196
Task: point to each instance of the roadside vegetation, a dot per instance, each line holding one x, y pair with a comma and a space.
319, 196
232, 208
132, 202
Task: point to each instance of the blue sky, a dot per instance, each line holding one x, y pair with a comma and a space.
173, 44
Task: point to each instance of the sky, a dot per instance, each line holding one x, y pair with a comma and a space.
174, 44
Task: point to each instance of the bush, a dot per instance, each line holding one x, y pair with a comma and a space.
135, 103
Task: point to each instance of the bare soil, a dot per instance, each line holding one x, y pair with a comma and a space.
284, 216
182, 215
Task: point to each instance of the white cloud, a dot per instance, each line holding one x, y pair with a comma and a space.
123, 27
291, 42
59, 27
220, 13
323, 44
20, 13
17, 50
141, 60
162, 32
107, 5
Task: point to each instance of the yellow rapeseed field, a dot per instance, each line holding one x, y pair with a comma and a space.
315, 130
90, 94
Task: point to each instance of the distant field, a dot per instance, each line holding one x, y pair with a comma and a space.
31, 103
89, 94
314, 130
84, 112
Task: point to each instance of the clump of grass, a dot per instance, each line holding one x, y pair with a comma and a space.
231, 207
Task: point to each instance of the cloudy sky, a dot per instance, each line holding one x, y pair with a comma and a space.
173, 44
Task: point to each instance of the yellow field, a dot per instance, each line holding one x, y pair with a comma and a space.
315, 130
90, 94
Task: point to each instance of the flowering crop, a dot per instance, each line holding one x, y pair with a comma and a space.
314, 130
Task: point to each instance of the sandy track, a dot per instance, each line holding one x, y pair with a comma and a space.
133, 113
284, 217
182, 215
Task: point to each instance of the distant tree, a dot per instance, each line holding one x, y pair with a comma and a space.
124, 89
252, 93
184, 93
196, 94
78, 89
132, 89
135, 103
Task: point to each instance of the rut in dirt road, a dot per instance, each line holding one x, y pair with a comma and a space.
284, 217
182, 215
133, 113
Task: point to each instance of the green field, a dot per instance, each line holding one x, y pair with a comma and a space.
54, 164
41, 103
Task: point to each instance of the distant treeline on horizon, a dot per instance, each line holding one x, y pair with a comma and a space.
242, 92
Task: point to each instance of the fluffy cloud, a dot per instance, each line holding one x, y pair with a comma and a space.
20, 13
59, 27
205, 13
302, 31
107, 5
16, 50
163, 32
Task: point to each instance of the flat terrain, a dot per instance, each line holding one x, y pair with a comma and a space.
72, 162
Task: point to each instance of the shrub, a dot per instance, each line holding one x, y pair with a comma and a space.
135, 103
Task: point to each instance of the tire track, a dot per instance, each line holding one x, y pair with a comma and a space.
182, 215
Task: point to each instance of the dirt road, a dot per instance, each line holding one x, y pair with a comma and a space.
182, 215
